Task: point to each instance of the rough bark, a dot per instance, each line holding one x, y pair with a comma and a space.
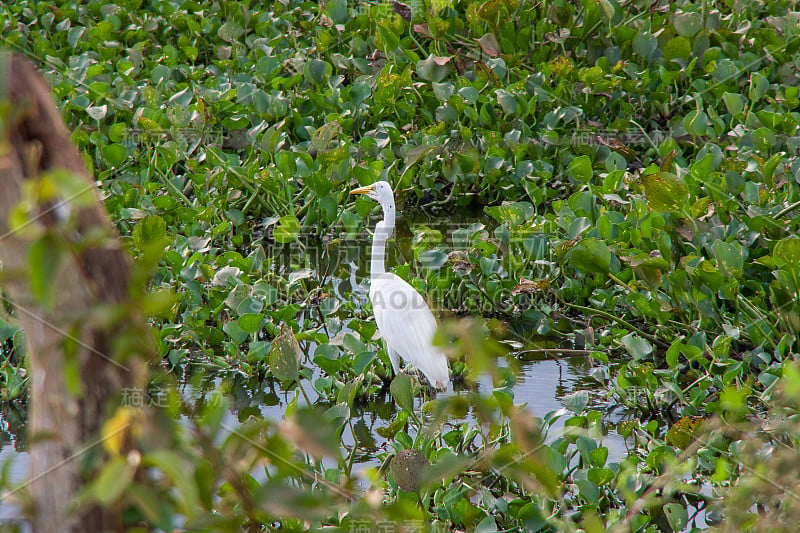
64, 423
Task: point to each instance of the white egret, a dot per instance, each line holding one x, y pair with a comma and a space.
403, 318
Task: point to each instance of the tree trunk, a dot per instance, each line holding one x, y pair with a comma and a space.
70, 336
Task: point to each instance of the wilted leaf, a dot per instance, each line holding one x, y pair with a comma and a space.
407, 467
284, 356
489, 45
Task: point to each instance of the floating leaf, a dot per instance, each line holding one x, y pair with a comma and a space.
688, 24
664, 191
787, 253
580, 169
317, 71
591, 255
284, 356
433, 68
637, 346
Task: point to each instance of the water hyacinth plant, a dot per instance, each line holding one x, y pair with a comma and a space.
612, 181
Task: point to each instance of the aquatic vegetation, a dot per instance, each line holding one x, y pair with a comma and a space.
616, 179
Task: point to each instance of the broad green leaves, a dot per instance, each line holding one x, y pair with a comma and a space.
631, 182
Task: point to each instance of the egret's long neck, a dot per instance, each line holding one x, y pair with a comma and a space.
383, 230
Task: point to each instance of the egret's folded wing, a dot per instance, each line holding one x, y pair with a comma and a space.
408, 326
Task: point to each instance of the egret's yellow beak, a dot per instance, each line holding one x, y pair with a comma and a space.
363, 190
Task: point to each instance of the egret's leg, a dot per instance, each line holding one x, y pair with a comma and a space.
394, 357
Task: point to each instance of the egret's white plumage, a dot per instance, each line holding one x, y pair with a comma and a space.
403, 318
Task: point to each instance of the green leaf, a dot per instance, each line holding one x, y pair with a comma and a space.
664, 191
576, 401
433, 68
112, 481
403, 392
287, 230
645, 44
677, 48
677, 516
729, 256
284, 356
637, 346
487, 525
317, 71
588, 490
115, 154
235, 332
758, 87
173, 468
337, 415
688, 24
599, 456
580, 169
734, 102
591, 255
696, 122
250, 322
387, 40
151, 229
507, 101
787, 253
600, 476
511, 213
